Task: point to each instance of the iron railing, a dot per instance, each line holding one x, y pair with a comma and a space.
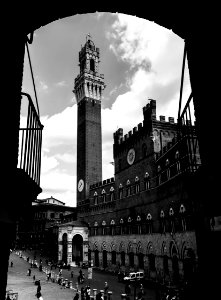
30, 140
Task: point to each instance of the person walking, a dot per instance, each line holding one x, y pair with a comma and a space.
11, 264
76, 297
106, 287
72, 274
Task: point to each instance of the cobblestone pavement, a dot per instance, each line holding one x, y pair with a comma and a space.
18, 281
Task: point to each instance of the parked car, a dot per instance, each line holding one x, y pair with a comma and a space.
133, 276
84, 265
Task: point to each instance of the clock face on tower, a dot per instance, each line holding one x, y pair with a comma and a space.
80, 185
131, 156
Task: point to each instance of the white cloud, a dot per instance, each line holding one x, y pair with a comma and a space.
60, 185
60, 129
61, 83
43, 86
66, 157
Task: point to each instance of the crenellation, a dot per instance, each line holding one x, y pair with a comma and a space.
171, 120
100, 184
135, 130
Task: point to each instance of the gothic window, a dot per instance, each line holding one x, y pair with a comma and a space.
120, 191
147, 181
128, 188
103, 196
172, 223
129, 220
95, 198
92, 65
95, 228
139, 230
162, 222
112, 223
183, 217
137, 184
177, 158
103, 228
121, 226
167, 168
144, 150
149, 223
112, 194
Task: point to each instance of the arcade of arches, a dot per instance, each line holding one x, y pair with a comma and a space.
73, 243
173, 261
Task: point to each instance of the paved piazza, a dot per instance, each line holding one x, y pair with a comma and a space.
18, 281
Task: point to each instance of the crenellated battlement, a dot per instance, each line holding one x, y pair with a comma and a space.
102, 183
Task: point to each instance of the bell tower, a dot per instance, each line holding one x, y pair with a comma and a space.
88, 89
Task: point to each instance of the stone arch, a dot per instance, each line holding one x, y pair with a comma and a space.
103, 246
150, 248
122, 247
140, 255
173, 249
130, 253
163, 248
96, 254
65, 247
189, 262
104, 254
77, 248
174, 254
151, 256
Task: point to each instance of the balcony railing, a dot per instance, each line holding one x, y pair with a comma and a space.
30, 140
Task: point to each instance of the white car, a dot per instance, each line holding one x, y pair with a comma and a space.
134, 276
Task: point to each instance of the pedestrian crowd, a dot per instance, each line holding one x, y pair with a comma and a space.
83, 293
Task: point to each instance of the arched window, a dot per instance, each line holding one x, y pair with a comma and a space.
92, 65
112, 223
112, 193
167, 168
103, 228
149, 223
172, 223
103, 196
128, 188
162, 222
177, 158
182, 212
129, 220
139, 229
137, 184
95, 198
147, 181
121, 226
120, 191
95, 228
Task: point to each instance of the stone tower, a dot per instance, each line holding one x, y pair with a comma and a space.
89, 86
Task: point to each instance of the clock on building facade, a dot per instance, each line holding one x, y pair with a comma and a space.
131, 156
80, 185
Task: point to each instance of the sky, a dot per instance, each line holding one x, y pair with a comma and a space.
140, 60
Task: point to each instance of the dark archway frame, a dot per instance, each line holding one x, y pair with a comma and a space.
191, 23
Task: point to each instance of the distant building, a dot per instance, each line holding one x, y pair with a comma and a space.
37, 233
